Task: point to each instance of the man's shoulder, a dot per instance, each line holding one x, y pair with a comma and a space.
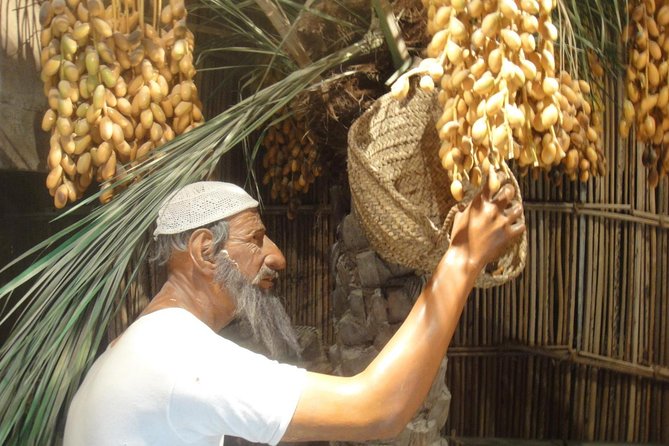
157, 339
177, 334
168, 323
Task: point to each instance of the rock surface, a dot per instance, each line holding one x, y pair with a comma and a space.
371, 299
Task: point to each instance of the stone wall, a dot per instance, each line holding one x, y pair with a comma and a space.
370, 301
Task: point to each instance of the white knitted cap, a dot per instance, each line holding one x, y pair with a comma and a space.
199, 204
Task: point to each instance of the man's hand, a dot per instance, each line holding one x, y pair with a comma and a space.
484, 230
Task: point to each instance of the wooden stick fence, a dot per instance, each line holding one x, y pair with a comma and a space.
564, 353
578, 347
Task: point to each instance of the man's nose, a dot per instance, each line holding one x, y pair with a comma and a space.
274, 257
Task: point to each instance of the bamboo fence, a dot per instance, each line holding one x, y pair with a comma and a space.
578, 347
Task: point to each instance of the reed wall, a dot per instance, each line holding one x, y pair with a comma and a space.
578, 346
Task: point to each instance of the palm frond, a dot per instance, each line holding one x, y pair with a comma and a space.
266, 48
590, 26
396, 45
75, 289
242, 37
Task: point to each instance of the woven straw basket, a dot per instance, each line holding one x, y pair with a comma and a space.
400, 191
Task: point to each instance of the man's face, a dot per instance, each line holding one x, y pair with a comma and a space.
257, 257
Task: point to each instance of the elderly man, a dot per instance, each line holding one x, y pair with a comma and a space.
170, 379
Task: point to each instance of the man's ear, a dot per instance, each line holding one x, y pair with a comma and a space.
201, 249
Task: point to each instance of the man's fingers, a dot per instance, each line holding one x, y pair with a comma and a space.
516, 230
504, 195
514, 212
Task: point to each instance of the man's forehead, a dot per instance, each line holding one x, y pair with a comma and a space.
246, 221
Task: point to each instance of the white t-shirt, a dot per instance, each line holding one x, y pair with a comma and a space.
171, 380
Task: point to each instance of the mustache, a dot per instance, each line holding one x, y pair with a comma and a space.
265, 273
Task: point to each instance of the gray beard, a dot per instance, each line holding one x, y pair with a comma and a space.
262, 310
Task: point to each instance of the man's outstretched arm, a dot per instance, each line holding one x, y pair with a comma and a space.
380, 401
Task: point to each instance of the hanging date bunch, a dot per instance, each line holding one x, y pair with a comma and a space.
118, 86
647, 84
582, 128
291, 160
503, 97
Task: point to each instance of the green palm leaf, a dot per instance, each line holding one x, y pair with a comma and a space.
590, 25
